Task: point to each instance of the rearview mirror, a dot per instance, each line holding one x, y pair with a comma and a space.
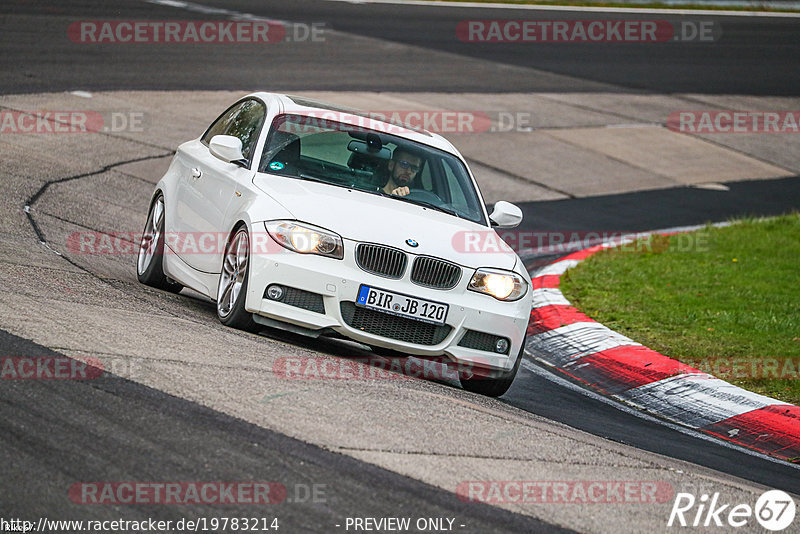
227, 148
505, 215
361, 147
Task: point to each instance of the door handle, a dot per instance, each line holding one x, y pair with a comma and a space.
196, 173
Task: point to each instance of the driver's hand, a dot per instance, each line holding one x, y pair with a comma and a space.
401, 191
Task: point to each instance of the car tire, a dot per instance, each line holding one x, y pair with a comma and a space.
233, 279
150, 258
491, 383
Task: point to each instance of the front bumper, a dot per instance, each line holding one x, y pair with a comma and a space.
336, 282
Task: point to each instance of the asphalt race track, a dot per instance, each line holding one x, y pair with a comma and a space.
191, 400
195, 443
757, 56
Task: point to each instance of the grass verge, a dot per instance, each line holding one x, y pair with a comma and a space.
724, 300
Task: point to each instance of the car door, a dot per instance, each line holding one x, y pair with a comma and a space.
208, 185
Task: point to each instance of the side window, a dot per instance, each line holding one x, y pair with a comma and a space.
243, 120
219, 126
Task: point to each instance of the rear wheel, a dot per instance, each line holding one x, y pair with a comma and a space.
150, 260
232, 289
491, 383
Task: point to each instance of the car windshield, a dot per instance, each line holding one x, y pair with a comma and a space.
318, 149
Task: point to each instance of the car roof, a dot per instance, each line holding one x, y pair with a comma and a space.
306, 106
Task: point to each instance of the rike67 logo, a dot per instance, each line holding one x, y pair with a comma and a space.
774, 510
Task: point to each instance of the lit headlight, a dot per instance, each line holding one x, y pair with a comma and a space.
306, 239
502, 285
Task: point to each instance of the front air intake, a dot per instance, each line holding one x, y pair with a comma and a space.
383, 261
435, 273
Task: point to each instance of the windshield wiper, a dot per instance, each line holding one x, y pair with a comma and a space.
330, 180
312, 178
381, 192
428, 205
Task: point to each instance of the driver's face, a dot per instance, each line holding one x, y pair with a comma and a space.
405, 168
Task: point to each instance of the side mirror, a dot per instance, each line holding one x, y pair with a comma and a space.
505, 215
227, 148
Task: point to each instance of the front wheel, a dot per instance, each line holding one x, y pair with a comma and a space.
232, 289
150, 260
491, 383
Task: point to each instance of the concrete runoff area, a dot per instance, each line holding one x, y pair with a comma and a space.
525, 147
85, 305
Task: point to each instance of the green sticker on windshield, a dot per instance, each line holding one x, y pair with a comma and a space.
276, 165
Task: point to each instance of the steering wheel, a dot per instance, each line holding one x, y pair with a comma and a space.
424, 196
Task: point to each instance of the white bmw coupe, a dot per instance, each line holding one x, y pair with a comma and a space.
297, 215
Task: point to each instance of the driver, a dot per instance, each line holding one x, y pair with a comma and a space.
403, 168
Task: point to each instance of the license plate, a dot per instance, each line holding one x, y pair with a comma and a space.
401, 305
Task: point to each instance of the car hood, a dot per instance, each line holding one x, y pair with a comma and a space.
360, 216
